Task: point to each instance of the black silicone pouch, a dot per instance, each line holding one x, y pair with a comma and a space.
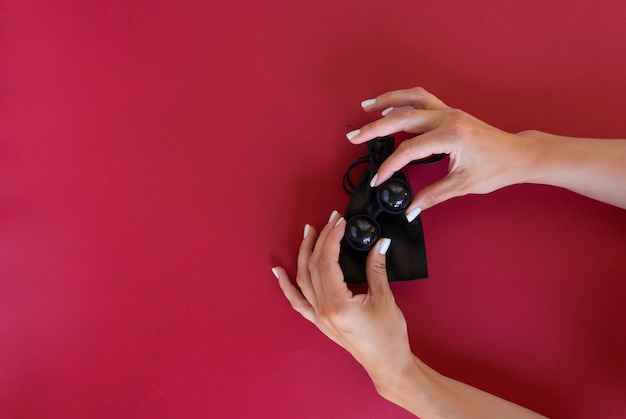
406, 257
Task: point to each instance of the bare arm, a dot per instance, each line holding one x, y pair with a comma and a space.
591, 167
428, 394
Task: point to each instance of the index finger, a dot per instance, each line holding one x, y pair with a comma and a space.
329, 273
417, 97
415, 148
408, 120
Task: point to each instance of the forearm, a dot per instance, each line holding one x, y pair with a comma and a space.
428, 394
595, 168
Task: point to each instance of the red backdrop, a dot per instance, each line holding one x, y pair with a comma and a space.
158, 158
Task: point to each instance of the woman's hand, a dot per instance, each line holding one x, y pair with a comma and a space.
482, 158
373, 329
369, 326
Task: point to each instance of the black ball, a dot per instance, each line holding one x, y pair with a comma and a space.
395, 196
362, 232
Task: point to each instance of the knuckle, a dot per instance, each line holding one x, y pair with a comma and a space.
379, 267
331, 313
300, 280
457, 126
325, 265
324, 313
418, 91
404, 147
405, 115
299, 307
325, 258
530, 133
404, 152
455, 113
321, 311
303, 260
338, 316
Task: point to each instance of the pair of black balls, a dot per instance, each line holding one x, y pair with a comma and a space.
363, 231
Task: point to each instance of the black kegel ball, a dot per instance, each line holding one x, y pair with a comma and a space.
362, 232
394, 195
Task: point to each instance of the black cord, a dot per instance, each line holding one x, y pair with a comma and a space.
349, 187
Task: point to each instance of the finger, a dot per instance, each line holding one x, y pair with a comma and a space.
436, 193
297, 301
417, 97
376, 269
313, 263
303, 278
331, 275
415, 148
408, 120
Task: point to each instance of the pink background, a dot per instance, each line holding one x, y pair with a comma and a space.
158, 158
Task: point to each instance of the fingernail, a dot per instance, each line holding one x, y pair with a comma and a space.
373, 181
413, 214
368, 102
306, 230
339, 221
332, 216
353, 134
386, 111
275, 272
384, 245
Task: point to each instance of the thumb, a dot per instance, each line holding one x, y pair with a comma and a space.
435, 193
376, 268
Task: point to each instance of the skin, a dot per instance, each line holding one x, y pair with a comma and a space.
483, 159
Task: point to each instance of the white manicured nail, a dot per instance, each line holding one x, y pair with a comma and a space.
368, 102
384, 246
332, 216
275, 272
373, 181
353, 134
413, 214
339, 221
306, 230
386, 111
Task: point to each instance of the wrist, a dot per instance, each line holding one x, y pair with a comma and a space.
404, 378
548, 158
530, 153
